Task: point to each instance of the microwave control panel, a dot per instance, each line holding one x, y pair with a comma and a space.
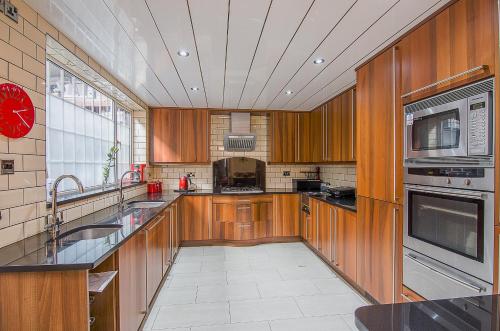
479, 118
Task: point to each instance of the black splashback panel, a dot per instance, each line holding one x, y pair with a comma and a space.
239, 172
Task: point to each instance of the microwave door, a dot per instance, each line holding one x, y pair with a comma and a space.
439, 131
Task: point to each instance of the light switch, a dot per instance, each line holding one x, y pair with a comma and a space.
7, 167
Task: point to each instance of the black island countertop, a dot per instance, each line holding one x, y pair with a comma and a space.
471, 313
36, 253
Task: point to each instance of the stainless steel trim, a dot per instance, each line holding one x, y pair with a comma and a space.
481, 67
394, 121
335, 236
458, 213
450, 277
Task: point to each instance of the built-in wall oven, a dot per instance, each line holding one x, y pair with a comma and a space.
452, 127
449, 193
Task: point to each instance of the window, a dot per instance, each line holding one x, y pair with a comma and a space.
82, 126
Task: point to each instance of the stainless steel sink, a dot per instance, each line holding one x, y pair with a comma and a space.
146, 204
88, 232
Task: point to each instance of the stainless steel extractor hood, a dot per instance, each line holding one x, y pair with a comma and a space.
240, 139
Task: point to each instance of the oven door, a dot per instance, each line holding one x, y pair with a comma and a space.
439, 131
452, 226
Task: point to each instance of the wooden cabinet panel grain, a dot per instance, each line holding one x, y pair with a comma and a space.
303, 153
345, 242
317, 131
132, 280
195, 128
325, 230
378, 129
408, 295
165, 135
332, 134
459, 38
283, 137
196, 217
348, 129
154, 256
263, 219
166, 238
286, 215
378, 224
313, 228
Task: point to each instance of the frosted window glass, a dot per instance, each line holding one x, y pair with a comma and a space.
69, 117
69, 148
80, 148
56, 113
80, 120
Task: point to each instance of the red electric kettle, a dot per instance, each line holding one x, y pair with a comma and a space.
183, 183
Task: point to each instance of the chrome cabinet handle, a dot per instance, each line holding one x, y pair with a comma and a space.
335, 237
450, 277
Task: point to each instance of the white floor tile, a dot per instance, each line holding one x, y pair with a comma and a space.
191, 315
332, 286
306, 272
186, 267
234, 277
176, 296
222, 293
288, 288
226, 266
328, 304
257, 326
194, 279
325, 323
263, 310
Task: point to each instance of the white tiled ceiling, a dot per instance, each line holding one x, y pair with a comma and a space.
243, 54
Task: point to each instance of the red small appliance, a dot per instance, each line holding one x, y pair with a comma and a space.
138, 167
183, 183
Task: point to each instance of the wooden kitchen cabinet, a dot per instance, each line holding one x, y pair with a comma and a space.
313, 228
196, 217
303, 138
263, 219
180, 135
332, 132
316, 137
132, 265
175, 228
378, 249
154, 256
166, 237
286, 217
348, 129
379, 136
345, 242
283, 136
325, 230
459, 38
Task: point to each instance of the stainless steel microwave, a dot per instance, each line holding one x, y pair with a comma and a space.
453, 127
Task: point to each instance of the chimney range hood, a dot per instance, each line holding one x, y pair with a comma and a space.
240, 139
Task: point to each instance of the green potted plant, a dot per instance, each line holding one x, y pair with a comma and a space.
110, 163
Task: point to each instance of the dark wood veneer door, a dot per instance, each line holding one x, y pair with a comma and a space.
196, 213
286, 215
154, 242
165, 135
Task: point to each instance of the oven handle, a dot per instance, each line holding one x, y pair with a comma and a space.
450, 277
454, 192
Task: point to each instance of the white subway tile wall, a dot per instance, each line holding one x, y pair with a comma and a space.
22, 195
169, 174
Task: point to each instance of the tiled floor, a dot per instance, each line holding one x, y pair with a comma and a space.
272, 287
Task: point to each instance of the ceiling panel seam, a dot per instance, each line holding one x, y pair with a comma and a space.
168, 52
281, 57
340, 54
315, 49
147, 63
254, 53
225, 54
369, 54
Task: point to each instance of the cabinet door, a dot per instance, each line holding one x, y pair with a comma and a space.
195, 131
377, 253
154, 256
263, 219
243, 223
345, 242
303, 151
348, 129
286, 209
132, 282
313, 228
460, 38
196, 216
316, 137
325, 218
283, 135
223, 220
165, 134
175, 230
332, 133
166, 239
379, 162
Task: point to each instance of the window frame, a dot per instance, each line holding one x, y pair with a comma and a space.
115, 105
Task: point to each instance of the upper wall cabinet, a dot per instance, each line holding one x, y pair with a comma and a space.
459, 39
179, 135
283, 137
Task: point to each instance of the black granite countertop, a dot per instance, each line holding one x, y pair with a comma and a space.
472, 313
266, 191
36, 254
346, 203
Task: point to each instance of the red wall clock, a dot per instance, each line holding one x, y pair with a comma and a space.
17, 114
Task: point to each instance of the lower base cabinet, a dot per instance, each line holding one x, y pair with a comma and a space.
346, 243
132, 280
378, 227
286, 217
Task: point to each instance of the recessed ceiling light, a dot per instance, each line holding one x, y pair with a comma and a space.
319, 61
289, 92
194, 88
183, 53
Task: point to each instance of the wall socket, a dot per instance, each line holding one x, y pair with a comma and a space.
191, 174
7, 167
10, 11
286, 173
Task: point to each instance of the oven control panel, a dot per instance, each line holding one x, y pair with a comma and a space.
479, 125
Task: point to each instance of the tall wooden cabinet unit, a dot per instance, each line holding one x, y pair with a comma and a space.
286, 208
179, 135
345, 242
378, 228
132, 264
379, 136
348, 127
196, 217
